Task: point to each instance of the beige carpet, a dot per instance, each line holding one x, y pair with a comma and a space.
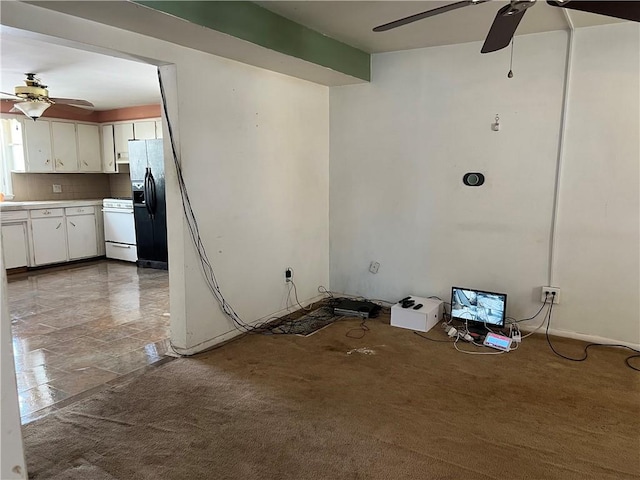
312, 408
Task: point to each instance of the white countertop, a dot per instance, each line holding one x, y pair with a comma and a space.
9, 206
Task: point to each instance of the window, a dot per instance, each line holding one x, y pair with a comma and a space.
12, 153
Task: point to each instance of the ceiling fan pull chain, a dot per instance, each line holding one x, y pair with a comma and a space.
510, 74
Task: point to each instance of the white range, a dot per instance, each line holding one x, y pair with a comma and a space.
119, 229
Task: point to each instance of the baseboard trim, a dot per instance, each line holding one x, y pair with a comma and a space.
583, 337
226, 337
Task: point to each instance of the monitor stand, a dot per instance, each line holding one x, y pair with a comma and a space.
479, 329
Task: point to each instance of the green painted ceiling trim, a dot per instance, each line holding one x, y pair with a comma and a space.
255, 24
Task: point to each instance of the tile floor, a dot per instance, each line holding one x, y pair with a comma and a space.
79, 328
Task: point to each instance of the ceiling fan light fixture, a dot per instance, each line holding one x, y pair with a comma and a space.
32, 108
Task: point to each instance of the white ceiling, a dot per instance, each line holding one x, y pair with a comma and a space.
105, 81
109, 82
352, 21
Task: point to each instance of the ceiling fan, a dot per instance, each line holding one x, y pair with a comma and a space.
508, 17
33, 99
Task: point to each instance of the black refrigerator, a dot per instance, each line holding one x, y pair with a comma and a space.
146, 164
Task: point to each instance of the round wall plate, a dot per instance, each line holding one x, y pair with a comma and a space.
473, 179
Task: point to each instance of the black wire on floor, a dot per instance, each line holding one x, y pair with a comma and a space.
432, 339
362, 328
586, 348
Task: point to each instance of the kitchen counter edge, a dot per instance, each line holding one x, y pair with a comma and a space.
12, 206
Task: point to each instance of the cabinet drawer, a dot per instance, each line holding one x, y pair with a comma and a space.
13, 216
47, 212
120, 251
79, 210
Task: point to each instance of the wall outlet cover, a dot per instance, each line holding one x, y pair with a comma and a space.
550, 291
373, 267
57, 188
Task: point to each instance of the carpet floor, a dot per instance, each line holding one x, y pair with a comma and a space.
391, 405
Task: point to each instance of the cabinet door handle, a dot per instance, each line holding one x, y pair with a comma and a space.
46, 162
72, 223
46, 212
86, 164
59, 225
121, 246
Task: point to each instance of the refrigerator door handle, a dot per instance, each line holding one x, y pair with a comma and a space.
150, 193
147, 196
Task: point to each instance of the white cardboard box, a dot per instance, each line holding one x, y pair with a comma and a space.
421, 320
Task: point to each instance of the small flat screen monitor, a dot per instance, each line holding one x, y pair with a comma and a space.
478, 307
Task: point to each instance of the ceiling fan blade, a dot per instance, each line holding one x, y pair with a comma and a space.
627, 10
502, 30
65, 108
428, 13
10, 95
72, 101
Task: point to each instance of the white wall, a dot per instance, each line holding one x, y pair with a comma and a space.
400, 146
598, 248
254, 146
260, 167
399, 149
12, 464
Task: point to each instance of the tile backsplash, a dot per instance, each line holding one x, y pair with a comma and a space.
120, 183
78, 186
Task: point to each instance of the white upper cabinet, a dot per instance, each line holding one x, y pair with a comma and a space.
65, 146
125, 131
65, 149
37, 136
144, 130
122, 133
108, 150
89, 148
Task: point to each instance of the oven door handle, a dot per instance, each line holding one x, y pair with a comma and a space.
117, 210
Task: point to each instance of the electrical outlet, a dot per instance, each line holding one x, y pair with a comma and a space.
57, 188
288, 275
373, 267
550, 291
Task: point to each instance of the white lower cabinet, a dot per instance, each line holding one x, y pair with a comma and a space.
14, 245
49, 240
81, 236
63, 234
